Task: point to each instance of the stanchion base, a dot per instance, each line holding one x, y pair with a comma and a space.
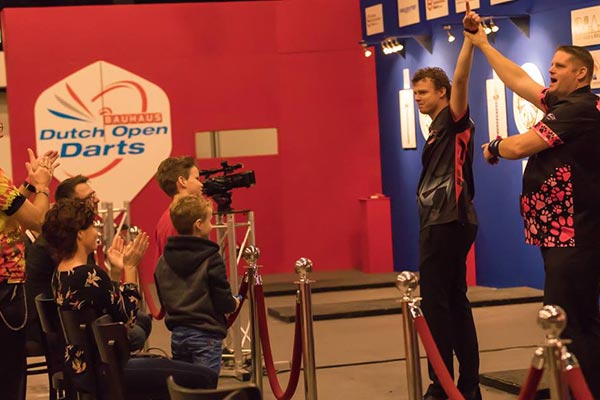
512, 381
239, 374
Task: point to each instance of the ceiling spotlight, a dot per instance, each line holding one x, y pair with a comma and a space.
368, 53
451, 37
397, 46
486, 28
495, 28
391, 45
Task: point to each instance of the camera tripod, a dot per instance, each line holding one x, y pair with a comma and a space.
228, 232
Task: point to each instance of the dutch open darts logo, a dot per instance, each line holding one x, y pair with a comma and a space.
107, 124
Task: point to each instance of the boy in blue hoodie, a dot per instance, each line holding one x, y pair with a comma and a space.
192, 285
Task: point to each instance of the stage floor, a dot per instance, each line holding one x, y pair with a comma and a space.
363, 357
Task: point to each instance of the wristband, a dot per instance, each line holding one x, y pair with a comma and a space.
43, 192
29, 187
494, 147
471, 31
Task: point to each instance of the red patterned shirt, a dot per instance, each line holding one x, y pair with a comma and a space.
12, 246
560, 203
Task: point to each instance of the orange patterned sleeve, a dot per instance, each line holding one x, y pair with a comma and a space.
10, 197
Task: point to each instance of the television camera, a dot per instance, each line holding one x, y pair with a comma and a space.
220, 187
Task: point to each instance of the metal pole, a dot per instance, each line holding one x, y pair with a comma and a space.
303, 268
406, 282
233, 278
553, 320
251, 254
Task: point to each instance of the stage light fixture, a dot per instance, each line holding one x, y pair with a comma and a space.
486, 28
391, 45
365, 46
495, 28
451, 37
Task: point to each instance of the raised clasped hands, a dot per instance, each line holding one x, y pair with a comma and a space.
471, 24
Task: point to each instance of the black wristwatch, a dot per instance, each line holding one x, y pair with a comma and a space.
30, 188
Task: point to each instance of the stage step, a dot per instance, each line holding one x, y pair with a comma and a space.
480, 296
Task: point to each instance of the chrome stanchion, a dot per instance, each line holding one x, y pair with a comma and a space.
553, 319
407, 282
303, 268
251, 254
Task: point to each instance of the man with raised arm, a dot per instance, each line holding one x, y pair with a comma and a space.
448, 223
560, 202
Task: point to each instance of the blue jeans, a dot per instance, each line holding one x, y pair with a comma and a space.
197, 347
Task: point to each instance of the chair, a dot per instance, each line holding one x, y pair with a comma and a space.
54, 344
77, 330
142, 377
242, 392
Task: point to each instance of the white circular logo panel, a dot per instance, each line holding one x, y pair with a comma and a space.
526, 114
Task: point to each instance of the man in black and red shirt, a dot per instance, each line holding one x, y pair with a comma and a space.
448, 223
560, 202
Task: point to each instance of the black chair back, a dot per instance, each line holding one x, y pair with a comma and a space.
55, 344
113, 348
77, 330
242, 392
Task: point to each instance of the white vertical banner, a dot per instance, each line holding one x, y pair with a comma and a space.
496, 106
408, 12
436, 8
585, 26
596, 76
461, 6
494, 2
374, 19
407, 119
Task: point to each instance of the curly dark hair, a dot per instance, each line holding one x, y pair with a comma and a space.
438, 77
170, 170
63, 221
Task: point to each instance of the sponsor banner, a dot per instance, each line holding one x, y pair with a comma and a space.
108, 124
436, 8
408, 131
374, 19
585, 26
408, 12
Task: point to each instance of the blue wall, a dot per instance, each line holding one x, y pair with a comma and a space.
503, 259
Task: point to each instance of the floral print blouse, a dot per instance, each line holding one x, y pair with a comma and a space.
90, 286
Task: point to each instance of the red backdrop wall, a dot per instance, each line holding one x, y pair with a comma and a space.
293, 65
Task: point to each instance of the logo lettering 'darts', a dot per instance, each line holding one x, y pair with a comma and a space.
108, 124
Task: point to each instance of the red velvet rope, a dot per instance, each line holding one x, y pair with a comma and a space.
266, 346
529, 389
243, 291
436, 360
578, 384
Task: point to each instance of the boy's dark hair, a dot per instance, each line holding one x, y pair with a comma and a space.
170, 170
582, 55
66, 189
438, 77
186, 210
63, 221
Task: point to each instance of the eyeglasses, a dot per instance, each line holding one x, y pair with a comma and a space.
1, 127
89, 197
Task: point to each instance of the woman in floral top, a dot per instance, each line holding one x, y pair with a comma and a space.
71, 236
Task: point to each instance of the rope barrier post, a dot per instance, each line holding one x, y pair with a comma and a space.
553, 319
406, 282
303, 267
251, 254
